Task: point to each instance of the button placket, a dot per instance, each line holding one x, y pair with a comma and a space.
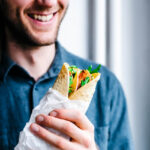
35, 95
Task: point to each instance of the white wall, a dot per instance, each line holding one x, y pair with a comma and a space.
132, 63
73, 31
100, 34
136, 64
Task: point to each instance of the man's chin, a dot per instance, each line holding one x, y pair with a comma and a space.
39, 40
29, 41
43, 42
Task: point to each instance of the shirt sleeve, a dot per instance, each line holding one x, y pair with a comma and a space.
119, 130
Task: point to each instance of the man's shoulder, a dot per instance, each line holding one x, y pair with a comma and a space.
73, 59
106, 74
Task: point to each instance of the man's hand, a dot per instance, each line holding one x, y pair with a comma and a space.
70, 122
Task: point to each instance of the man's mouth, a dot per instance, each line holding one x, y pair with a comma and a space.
42, 18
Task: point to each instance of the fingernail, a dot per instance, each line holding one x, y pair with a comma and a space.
53, 113
40, 118
35, 128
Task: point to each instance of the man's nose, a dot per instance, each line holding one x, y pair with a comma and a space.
47, 2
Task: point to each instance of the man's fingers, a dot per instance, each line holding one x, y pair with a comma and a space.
74, 116
52, 138
65, 127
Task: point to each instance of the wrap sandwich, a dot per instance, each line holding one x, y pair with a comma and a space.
72, 83
77, 84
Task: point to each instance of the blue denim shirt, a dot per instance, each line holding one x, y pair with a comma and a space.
20, 94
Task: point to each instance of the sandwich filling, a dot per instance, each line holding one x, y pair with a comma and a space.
78, 78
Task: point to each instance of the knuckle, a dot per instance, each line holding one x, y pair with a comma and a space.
41, 133
87, 142
92, 128
67, 127
78, 113
79, 116
60, 144
60, 113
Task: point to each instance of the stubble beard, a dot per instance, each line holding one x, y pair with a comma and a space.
21, 35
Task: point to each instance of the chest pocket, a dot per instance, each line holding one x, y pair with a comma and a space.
101, 137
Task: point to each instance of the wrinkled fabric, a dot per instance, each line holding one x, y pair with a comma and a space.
20, 94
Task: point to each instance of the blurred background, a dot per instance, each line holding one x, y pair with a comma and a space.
116, 33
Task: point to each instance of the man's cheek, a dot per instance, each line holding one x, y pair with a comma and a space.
64, 3
19, 3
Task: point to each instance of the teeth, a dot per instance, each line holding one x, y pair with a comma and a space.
49, 17
43, 18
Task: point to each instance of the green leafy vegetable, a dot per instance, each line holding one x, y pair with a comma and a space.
73, 66
90, 68
70, 81
83, 82
95, 70
70, 90
72, 70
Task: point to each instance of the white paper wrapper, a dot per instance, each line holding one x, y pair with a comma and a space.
51, 101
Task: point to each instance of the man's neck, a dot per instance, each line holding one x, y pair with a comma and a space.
35, 60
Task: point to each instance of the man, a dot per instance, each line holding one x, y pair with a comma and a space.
31, 60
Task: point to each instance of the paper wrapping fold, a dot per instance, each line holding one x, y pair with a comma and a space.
51, 101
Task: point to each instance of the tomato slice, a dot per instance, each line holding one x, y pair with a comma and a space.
82, 76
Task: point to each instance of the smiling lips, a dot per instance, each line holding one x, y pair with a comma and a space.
42, 18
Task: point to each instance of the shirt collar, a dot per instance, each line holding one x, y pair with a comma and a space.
7, 64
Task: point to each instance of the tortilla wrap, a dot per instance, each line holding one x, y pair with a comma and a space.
83, 93
62, 82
